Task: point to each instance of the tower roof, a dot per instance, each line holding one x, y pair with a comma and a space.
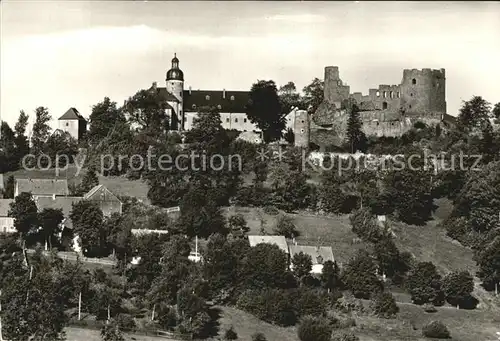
72, 114
175, 73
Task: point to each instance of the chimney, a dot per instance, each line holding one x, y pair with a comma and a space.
190, 89
154, 85
224, 93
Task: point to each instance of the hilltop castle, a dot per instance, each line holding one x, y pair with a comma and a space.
389, 110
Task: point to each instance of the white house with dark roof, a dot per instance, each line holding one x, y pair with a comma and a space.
319, 255
42, 187
6, 222
280, 241
73, 123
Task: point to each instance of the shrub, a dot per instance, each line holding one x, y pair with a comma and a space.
270, 209
286, 227
314, 329
270, 305
436, 330
258, 337
126, 322
230, 334
384, 305
429, 308
345, 337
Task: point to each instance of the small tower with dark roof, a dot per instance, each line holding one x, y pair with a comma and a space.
73, 123
175, 86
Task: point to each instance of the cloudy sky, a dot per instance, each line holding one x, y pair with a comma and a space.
60, 54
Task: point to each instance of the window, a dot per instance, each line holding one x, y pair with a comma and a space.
219, 107
232, 98
302, 131
384, 105
413, 81
378, 94
392, 94
385, 94
302, 121
399, 95
227, 120
245, 121
67, 124
319, 260
207, 97
411, 94
194, 106
236, 120
410, 106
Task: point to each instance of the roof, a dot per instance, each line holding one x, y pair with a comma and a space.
43, 186
5, 207
72, 114
224, 101
165, 95
100, 193
324, 252
63, 203
280, 241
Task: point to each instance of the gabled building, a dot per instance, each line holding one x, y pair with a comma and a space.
73, 123
108, 202
42, 187
6, 222
280, 241
63, 203
319, 255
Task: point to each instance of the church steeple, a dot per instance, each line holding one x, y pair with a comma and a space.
175, 73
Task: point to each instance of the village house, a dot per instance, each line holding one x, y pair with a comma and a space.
280, 241
6, 222
319, 255
42, 187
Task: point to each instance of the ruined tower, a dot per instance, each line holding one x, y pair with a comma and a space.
335, 91
423, 91
301, 129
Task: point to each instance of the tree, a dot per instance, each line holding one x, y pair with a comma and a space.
41, 130
230, 334
286, 227
332, 197
63, 145
32, 305
330, 276
289, 98
9, 188
89, 181
384, 305
87, 220
266, 266
258, 337
314, 329
391, 262
103, 119
111, 332
457, 287
302, 265
50, 220
22, 144
474, 115
313, 95
147, 110
264, 109
289, 136
8, 156
496, 113
207, 131
25, 215
355, 137
488, 260
424, 284
295, 193
360, 276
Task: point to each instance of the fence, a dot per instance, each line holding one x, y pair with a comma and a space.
72, 257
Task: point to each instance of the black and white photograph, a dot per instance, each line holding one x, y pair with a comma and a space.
249, 170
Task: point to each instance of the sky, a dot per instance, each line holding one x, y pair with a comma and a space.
62, 54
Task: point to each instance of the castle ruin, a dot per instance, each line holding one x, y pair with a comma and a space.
389, 110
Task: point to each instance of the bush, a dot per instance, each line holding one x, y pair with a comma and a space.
230, 334
258, 337
270, 305
384, 305
270, 209
126, 322
345, 337
314, 329
436, 330
429, 308
286, 227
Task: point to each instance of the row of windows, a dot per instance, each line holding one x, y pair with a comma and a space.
207, 97
391, 94
236, 120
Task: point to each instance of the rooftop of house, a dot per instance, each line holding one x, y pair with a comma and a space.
72, 114
280, 241
5, 207
319, 254
47, 187
63, 203
100, 192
